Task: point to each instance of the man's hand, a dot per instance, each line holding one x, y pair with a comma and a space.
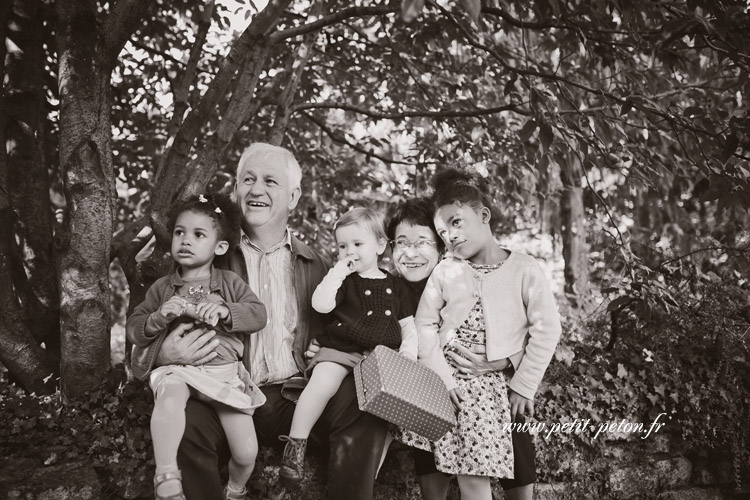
519, 405
470, 365
187, 345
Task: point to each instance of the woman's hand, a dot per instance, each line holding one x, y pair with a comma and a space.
470, 365
457, 396
312, 349
187, 345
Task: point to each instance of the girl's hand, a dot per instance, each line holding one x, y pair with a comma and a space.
519, 405
312, 349
346, 266
211, 312
173, 307
470, 365
457, 395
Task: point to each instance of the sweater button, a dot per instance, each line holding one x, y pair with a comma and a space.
369, 313
388, 291
387, 312
368, 292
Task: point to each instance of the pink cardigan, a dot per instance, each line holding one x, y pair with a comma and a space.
520, 314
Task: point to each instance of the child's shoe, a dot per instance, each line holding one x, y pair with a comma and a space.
292, 468
235, 495
168, 476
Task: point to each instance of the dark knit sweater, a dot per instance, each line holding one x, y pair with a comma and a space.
367, 314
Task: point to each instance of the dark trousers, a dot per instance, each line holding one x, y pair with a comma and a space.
355, 439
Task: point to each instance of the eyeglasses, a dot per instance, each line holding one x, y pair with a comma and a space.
401, 244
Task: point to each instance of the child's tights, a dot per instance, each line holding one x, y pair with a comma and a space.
168, 426
324, 382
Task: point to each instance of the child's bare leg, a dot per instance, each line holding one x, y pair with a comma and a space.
324, 382
475, 487
521, 493
434, 486
243, 444
167, 428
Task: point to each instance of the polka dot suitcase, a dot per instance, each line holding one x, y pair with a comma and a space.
404, 392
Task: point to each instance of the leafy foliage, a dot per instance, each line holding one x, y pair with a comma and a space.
105, 426
689, 363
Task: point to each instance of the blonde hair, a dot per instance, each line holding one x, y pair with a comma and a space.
364, 217
263, 152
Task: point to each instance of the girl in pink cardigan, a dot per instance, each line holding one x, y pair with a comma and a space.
497, 304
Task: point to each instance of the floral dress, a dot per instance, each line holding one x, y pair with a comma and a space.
477, 446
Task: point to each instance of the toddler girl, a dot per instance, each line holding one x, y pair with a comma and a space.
202, 229
496, 303
368, 306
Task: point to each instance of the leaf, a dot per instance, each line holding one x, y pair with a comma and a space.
729, 146
627, 106
622, 372
527, 130
618, 303
410, 9
473, 7
545, 136
693, 111
564, 353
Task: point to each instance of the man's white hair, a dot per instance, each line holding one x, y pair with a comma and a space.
263, 152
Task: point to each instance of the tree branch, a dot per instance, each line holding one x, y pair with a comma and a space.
339, 138
639, 104
296, 67
172, 175
334, 18
119, 26
380, 115
181, 89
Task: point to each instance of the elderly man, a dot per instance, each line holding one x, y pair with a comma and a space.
283, 272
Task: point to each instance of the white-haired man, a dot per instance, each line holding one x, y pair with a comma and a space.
283, 272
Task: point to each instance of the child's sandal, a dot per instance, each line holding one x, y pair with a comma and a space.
168, 476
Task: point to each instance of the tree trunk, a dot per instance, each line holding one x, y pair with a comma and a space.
26, 361
89, 187
34, 272
573, 232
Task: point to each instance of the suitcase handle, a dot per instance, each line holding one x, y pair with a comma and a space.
359, 383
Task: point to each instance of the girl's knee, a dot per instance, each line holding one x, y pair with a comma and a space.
245, 454
477, 487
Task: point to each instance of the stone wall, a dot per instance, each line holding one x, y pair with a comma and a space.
631, 469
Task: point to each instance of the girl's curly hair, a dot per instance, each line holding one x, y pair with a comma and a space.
224, 213
466, 187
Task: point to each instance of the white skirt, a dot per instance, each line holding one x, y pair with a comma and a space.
228, 384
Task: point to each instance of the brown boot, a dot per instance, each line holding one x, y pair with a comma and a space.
292, 468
